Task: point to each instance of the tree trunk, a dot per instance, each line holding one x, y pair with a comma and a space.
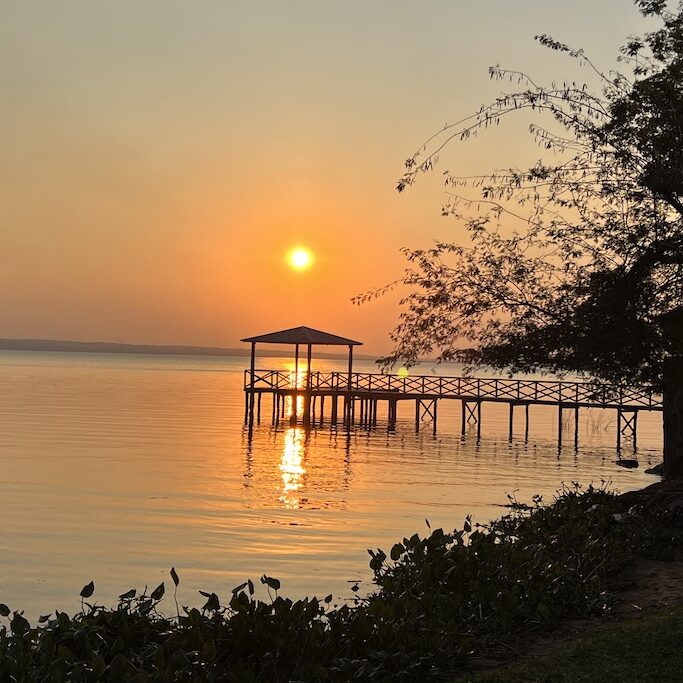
673, 418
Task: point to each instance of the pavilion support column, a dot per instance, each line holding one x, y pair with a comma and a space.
307, 394
296, 380
252, 374
349, 405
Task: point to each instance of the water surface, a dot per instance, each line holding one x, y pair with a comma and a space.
117, 467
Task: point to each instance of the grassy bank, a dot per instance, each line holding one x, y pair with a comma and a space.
646, 649
439, 600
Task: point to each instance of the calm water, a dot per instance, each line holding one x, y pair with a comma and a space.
115, 468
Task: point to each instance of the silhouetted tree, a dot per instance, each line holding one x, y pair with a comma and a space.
574, 265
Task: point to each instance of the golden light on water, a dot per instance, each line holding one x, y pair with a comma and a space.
292, 467
403, 372
300, 258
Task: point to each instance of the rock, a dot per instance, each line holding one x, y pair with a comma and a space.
629, 464
667, 494
657, 469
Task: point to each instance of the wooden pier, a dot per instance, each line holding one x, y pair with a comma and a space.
359, 395
352, 398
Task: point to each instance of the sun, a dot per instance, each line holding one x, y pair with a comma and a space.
300, 258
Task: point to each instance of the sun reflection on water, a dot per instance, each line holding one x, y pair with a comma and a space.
292, 467
297, 375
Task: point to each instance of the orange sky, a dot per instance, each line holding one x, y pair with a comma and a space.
161, 157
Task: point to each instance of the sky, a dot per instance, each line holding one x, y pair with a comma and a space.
159, 158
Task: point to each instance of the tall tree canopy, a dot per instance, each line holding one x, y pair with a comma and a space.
574, 265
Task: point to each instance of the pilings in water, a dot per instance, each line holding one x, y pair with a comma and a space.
312, 409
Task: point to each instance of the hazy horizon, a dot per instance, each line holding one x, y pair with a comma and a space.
161, 158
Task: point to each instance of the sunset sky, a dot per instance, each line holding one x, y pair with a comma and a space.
161, 158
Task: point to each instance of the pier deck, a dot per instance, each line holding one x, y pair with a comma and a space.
367, 389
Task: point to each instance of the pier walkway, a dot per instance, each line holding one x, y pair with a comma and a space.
361, 393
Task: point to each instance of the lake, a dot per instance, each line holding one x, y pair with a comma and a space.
117, 467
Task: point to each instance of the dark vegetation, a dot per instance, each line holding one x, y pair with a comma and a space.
439, 601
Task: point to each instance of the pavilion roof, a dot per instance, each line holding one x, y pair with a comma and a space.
303, 335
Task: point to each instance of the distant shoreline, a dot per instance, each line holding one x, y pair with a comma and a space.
63, 346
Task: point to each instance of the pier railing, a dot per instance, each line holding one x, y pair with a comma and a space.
553, 392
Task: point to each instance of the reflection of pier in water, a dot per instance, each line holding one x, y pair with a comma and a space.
360, 394
298, 478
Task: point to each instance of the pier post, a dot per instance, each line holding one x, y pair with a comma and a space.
576, 427
393, 404
627, 426
559, 426
526, 422
471, 416
618, 429
322, 409
511, 421
436, 403
333, 416
417, 414
258, 408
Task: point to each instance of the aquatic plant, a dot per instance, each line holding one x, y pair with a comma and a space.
439, 599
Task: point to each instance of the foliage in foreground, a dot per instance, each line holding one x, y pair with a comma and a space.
438, 600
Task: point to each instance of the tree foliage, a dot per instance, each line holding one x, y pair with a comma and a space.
574, 264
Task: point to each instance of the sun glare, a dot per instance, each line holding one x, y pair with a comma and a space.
300, 258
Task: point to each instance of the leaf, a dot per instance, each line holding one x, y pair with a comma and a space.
250, 583
213, 603
44, 617
19, 625
328, 599
128, 595
174, 576
4, 610
397, 551
88, 590
235, 590
271, 582
158, 592
98, 665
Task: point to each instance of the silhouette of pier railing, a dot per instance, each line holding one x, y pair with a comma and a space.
541, 392
366, 389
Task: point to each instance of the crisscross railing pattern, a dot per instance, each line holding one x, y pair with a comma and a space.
552, 392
